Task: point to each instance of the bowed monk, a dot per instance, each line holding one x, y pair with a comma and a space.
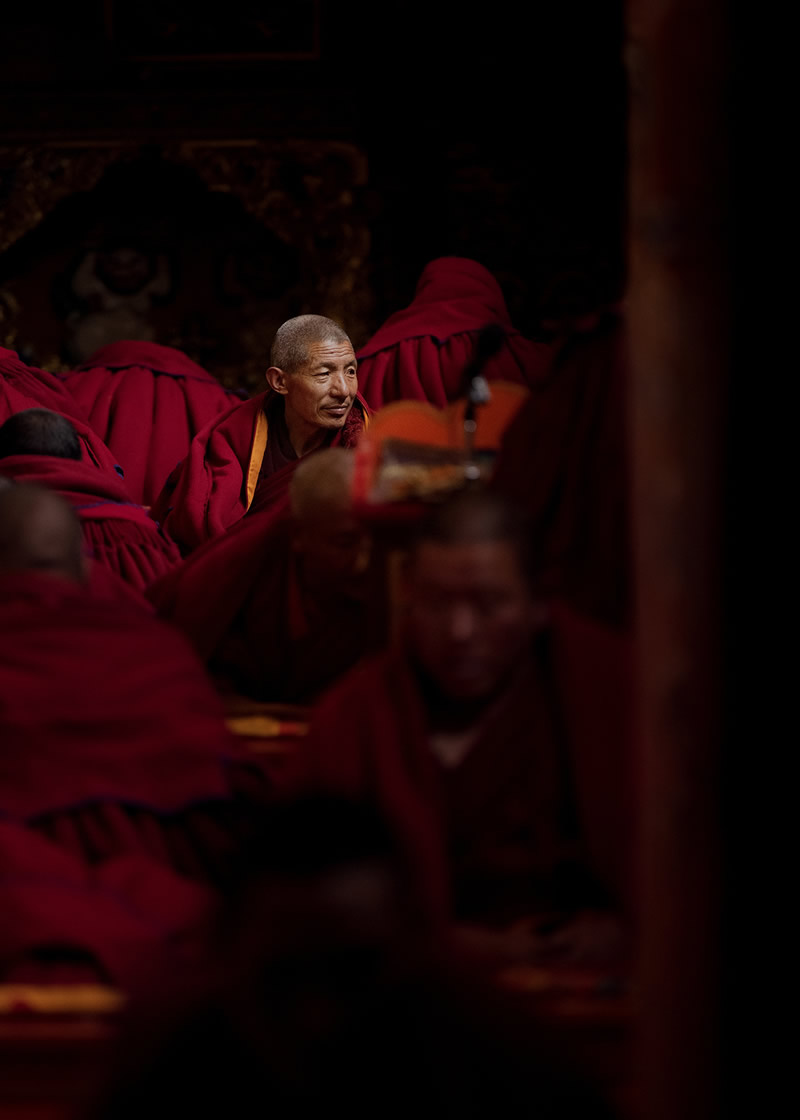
421, 352
112, 739
495, 736
280, 606
147, 402
241, 461
41, 447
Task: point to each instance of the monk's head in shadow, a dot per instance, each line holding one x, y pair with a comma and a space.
332, 548
40, 533
39, 431
313, 367
470, 608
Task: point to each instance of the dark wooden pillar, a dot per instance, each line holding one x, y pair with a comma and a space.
679, 306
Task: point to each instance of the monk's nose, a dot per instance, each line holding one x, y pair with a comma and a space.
461, 623
339, 387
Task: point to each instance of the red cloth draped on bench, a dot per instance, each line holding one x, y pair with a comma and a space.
147, 402
564, 460
538, 814
215, 485
421, 352
112, 738
23, 387
239, 602
118, 534
66, 922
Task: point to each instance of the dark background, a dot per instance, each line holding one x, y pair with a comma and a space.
337, 148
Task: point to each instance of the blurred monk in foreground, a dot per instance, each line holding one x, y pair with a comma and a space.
112, 738
241, 461
495, 737
42, 447
283, 604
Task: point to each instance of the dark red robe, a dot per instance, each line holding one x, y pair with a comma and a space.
147, 402
112, 738
118, 534
421, 352
518, 826
564, 460
66, 922
239, 600
22, 387
214, 486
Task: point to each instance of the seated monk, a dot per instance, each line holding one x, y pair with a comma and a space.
323, 992
464, 735
23, 387
43, 448
280, 606
147, 402
421, 352
112, 738
564, 460
241, 461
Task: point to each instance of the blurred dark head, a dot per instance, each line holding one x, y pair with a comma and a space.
39, 431
471, 610
40, 533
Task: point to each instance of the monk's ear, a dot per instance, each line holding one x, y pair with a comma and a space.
276, 379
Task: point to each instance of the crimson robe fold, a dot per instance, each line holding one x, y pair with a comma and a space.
23, 387
517, 826
118, 534
239, 600
564, 459
66, 922
147, 402
215, 485
422, 352
112, 738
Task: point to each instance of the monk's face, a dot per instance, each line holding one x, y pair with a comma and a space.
334, 553
471, 615
321, 391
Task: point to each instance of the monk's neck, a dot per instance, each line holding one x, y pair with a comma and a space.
304, 437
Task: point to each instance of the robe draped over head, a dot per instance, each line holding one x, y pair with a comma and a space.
213, 487
112, 738
421, 352
564, 460
118, 534
23, 387
147, 402
65, 921
518, 825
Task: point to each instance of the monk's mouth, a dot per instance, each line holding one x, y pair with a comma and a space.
338, 410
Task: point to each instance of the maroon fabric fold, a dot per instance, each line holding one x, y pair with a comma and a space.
422, 351
147, 402
100, 702
564, 459
488, 837
23, 387
118, 533
238, 601
207, 492
122, 915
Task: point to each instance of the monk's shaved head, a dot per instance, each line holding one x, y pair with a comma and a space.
293, 340
40, 532
477, 516
39, 431
322, 484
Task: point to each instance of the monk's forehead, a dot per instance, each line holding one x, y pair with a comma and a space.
485, 561
328, 350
